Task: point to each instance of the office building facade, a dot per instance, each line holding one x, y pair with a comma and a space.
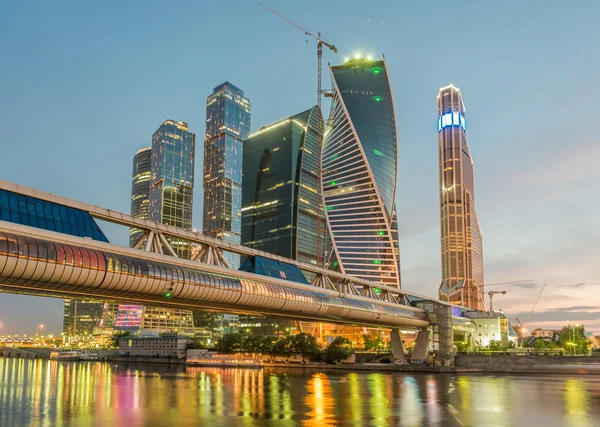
227, 126
172, 180
162, 191
140, 190
81, 317
281, 189
461, 239
359, 172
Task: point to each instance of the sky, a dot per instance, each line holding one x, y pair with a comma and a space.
85, 85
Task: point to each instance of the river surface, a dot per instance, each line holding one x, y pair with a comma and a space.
51, 393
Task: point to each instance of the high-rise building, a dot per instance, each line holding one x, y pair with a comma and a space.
162, 191
360, 171
461, 241
280, 199
227, 126
281, 189
80, 317
140, 190
172, 180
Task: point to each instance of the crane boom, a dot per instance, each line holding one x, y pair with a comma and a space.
535, 304
308, 33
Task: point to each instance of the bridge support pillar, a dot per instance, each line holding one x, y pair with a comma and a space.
397, 346
421, 348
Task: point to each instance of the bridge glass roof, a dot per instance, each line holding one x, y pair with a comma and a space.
26, 210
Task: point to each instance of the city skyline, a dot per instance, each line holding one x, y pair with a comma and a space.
540, 213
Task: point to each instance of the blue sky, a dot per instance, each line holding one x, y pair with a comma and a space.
84, 85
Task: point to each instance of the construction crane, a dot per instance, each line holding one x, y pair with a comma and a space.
491, 294
320, 44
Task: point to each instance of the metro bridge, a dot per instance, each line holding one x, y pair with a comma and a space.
78, 262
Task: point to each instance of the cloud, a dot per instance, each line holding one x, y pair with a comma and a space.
576, 285
525, 285
576, 308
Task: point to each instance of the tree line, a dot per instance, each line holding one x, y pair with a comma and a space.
284, 346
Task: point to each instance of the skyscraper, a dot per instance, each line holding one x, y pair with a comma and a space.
461, 241
172, 180
140, 190
80, 317
280, 199
227, 126
360, 170
281, 189
162, 191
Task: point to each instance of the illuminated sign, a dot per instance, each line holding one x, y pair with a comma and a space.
451, 119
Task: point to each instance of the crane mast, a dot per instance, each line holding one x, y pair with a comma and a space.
320, 44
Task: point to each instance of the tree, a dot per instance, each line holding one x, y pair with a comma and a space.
252, 343
539, 344
372, 341
573, 338
268, 345
116, 336
305, 344
229, 343
340, 348
283, 347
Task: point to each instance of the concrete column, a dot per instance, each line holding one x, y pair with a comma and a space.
397, 347
420, 351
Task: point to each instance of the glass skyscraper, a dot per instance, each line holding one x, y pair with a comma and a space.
461, 241
80, 317
172, 180
162, 191
227, 126
140, 190
281, 189
359, 172
280, 199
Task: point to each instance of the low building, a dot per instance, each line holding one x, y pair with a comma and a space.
172, 346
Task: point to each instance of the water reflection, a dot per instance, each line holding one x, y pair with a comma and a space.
50, 393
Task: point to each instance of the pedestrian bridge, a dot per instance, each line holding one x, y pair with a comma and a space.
38, 261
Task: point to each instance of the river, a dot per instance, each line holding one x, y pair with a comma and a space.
51, 393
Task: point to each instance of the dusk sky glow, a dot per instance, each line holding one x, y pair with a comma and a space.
84, 86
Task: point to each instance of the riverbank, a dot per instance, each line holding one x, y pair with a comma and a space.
530, 364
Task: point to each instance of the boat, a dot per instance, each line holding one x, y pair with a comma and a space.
233, 360
65, 355
88, 356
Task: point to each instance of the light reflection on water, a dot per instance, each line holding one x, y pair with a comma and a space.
50, 393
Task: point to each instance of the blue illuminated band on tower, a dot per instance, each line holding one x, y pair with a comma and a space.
451, 119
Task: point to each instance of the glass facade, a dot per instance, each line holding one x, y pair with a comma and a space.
162, 191
26, 210
81, 317
227, 126
360, 172
172, 180
140, 190
281, 189
461, 240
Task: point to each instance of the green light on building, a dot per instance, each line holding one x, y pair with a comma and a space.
378, 153
377, 291
329, 208
333, 182
375, 70
381, 233
377, 261
335, 263
378, 98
